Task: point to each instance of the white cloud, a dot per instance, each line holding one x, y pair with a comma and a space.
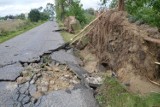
13, 7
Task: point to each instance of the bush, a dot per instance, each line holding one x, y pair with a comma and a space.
3, 32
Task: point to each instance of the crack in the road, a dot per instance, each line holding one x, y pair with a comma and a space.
24, 96
2, 66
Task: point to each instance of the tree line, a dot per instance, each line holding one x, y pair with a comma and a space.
35, 14
20, 16
42, 14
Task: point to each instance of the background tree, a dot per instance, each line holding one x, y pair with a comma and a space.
147, 11
75, 9
65, 8
60, 6
21, 16
90, 11
121, 4
49, 10
34, 15
40, 8
44, 16
113, 4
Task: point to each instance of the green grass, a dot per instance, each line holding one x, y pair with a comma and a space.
67, 36
113, 94
18, 32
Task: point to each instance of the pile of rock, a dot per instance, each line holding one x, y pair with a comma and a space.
48, 78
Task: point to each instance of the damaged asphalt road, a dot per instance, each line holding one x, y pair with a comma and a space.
30, 47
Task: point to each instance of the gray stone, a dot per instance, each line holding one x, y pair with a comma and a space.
63, 57
81, 97
10, 72
80, 72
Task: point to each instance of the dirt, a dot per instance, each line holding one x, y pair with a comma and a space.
120, 47
136, 83
133, 82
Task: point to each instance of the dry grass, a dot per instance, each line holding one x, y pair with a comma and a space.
10, 25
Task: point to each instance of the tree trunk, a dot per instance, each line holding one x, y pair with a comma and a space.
63, 12
121, 5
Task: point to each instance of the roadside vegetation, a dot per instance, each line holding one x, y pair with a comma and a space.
112, 93
65, 8
11, 26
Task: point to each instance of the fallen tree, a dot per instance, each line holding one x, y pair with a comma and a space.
123, 46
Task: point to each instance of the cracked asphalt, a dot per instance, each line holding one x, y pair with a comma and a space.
28, 47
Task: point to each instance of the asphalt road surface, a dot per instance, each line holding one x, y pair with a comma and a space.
28, 47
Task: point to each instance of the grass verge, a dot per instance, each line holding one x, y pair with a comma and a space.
18, 32
67, 36
113, 94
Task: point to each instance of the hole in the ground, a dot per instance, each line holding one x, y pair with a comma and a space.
105, 65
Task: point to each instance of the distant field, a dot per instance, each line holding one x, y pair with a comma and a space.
11, 25
12, 28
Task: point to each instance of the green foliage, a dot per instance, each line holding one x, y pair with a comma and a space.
49, 10
113, 3
145, 10
21, 16
34, 15
104, 1
44, 16
65, 8
75, 9
6, 35
60, 6
90, 11
89, 17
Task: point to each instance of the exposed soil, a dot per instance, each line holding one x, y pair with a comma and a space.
122, 51
134, 82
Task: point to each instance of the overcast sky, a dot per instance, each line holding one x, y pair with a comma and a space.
13, 7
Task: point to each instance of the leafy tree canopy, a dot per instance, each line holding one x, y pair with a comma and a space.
34, 15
